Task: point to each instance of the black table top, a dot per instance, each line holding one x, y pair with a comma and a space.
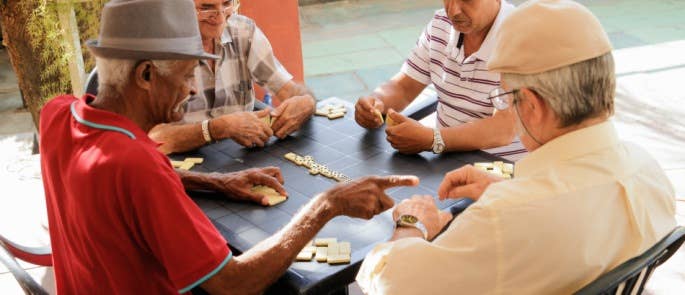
342, 146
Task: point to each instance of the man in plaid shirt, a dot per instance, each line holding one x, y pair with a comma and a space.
223, 106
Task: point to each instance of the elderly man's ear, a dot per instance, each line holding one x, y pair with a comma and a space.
143, 71
532, 106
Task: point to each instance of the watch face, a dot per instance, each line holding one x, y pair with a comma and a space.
409, 219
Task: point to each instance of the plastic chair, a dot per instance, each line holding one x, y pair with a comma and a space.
9, 251
92, 82
631, 276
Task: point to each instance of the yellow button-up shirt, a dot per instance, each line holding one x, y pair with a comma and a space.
579, 206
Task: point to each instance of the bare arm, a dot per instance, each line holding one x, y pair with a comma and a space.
177, 137
245, 128
398, 92
291, 89
259, 267
236, 185
409, 136
498, 130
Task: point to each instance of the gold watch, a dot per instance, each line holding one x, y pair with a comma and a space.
406, 220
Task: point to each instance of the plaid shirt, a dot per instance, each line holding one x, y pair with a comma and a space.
245, 57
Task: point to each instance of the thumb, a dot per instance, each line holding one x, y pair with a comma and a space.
396, 117
262, 113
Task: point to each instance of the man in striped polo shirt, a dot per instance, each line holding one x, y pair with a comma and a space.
451, 54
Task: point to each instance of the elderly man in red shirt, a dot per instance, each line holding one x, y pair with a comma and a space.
120, 221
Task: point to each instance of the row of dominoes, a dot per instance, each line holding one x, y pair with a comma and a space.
316, 168
499, 168
186, 164
326, 250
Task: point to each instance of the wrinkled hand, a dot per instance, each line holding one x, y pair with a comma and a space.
245, 128
365, 112
423, 207
291, 114
407, 135
239, 184
466, 181
365, 197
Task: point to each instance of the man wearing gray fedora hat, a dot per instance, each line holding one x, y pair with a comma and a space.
119, 218
223, 106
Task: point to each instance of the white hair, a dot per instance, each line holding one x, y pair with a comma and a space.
575, 93
114, 74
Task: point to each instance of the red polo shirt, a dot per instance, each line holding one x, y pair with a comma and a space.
120, 220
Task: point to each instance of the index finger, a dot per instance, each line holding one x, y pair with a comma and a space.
272, 182
365, 104
385, 182
277, 122
452, 179
275, 172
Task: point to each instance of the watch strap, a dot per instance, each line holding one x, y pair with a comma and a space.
205, 131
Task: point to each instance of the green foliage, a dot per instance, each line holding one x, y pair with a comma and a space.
88, 18
46, 39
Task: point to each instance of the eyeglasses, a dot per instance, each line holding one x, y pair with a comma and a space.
501, 99
204, 13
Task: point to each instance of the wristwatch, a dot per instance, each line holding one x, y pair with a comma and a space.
438, 144
205, 131
407, 220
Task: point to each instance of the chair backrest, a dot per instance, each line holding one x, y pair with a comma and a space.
7, 258
423, 105
92, 82
631, 276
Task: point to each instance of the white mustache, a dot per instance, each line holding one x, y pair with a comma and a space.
182, 104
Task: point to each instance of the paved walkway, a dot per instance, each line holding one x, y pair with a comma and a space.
352, 46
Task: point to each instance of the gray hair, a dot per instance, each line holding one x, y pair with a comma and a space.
114, 74
575, 93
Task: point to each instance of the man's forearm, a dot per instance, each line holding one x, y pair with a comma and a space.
260, 266
178, 138
393, 96
485, 133
291, 89
199, 181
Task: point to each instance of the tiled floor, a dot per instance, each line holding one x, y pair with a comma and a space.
350, 47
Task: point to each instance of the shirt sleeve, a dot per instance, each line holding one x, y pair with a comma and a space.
265, 69
417, 65
462, 260
175, 231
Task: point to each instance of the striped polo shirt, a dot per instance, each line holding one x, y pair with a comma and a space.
463, 83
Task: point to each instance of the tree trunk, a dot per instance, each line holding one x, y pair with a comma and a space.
33, 53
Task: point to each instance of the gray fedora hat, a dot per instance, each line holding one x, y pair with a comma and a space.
149, 29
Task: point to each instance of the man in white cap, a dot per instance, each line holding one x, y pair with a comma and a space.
582, 201
223, 106
120, 220
451, 53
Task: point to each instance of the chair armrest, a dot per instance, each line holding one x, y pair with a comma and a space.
35, 255
23, 278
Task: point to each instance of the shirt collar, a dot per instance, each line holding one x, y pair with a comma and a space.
107, 118
568, 146
226, 36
